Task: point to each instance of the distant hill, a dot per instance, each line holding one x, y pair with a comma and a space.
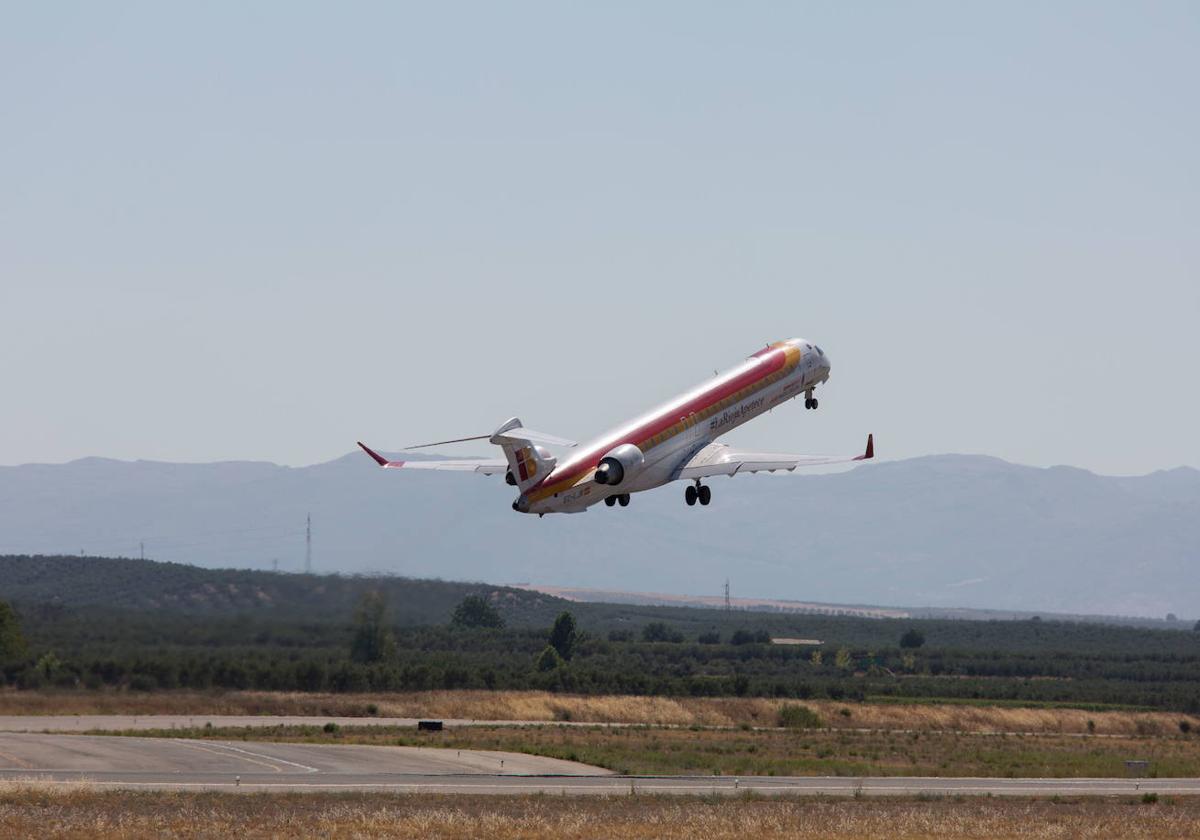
941, 531
148, 586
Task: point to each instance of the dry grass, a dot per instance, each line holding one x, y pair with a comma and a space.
544, 706
72, 813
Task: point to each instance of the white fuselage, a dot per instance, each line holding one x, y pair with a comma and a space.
670, 434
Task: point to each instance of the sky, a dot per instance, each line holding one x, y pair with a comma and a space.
264, 231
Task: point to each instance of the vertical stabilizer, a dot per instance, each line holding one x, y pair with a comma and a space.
528, 463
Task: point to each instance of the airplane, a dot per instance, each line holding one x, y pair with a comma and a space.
673, 442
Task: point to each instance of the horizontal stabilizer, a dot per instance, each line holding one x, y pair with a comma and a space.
520, 433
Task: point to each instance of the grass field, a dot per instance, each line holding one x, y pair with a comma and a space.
83, 813
545, 706
772, 752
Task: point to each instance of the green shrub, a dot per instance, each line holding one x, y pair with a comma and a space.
795, 716
658, 631
548, 659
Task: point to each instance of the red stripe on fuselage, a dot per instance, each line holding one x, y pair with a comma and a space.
771, 360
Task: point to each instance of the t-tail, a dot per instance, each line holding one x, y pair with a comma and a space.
528, 463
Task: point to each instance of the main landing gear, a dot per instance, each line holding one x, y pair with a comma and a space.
697, 493
809, 400
622, 499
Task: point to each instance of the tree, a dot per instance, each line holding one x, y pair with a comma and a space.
657, 631
548, 659
12, 641
750, 637
373, 640
474, 611
912, 638
1196, 629
563, 635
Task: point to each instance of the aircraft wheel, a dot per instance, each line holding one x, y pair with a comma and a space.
610, 500
705, 494
689, 495
808, 403
623, 500
815, 403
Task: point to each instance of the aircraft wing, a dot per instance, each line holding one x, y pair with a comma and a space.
719, 459
487, 466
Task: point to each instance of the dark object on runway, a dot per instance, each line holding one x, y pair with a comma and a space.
429, 726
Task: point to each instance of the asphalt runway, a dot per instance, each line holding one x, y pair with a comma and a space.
176, 763
129, 723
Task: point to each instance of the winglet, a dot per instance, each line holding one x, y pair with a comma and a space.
379, 459
870, 453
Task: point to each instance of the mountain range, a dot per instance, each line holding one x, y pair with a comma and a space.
945, 530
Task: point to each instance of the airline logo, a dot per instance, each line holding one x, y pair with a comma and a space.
526, 463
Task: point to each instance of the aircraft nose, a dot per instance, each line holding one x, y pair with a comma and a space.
823, 362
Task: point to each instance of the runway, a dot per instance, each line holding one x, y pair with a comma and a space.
132, 723
179, 761
246, 766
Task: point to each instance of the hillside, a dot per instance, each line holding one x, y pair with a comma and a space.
148, 586
944, 531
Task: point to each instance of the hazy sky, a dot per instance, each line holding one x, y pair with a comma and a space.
262, 231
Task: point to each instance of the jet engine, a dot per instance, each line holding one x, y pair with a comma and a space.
619, 465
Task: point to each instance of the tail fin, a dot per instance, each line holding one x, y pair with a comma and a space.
528, 463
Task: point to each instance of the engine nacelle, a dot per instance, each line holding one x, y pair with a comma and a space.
619, 465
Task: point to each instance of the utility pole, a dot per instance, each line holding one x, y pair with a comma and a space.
727, 607
308, 545
142, 546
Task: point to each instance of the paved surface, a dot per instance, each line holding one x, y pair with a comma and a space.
122, 723
176, 763
106, 758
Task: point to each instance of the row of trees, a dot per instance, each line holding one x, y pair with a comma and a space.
476, 649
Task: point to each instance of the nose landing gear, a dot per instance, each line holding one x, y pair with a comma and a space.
698, 492
809, 400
